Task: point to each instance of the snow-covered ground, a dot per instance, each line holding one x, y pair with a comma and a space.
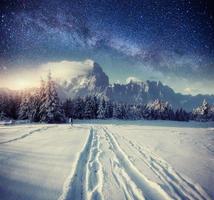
109, 160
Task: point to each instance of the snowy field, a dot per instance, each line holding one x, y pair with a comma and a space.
112, 160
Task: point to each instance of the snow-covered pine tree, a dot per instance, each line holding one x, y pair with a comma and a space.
25, 108
119, 111
185, 115
171, 114
109, 109
203, 112
95, 106
79, 107
179, 115
158, 110
9, 104
145, 112
68, 107
14, 105
3, 107
3, 116
133, 111
42, 99
205, 107
102, 110
51, 109
90, 107
130, 112
35, 104
124, 111
115, 111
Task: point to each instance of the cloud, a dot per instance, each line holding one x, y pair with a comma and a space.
66, 70
188, 90
132, 79
61, 71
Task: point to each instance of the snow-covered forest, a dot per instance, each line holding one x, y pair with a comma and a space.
39, 105
44, 105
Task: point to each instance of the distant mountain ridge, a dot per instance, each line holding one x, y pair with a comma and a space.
96, 82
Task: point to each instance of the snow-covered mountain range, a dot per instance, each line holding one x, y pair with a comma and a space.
93, 81
96, 82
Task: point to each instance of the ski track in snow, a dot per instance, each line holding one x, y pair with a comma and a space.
149, 190
85, 182
95, 175
25, 135
179, 187
125, 183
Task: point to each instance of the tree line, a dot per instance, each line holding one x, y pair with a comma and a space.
91, 107
44, 105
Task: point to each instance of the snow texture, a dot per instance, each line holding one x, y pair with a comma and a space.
107, 159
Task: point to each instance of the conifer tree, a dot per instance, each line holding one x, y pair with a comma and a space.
102, 111
51, 108
25, 109
79, 108
3, 115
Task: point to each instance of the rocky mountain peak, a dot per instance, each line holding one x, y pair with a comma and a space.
100, 79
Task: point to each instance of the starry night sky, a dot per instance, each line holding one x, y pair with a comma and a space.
167, 40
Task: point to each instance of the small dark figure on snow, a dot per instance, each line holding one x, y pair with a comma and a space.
71, 121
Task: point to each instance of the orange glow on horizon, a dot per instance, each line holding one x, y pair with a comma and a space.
20, 84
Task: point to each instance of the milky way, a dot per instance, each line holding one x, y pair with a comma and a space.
171, 37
